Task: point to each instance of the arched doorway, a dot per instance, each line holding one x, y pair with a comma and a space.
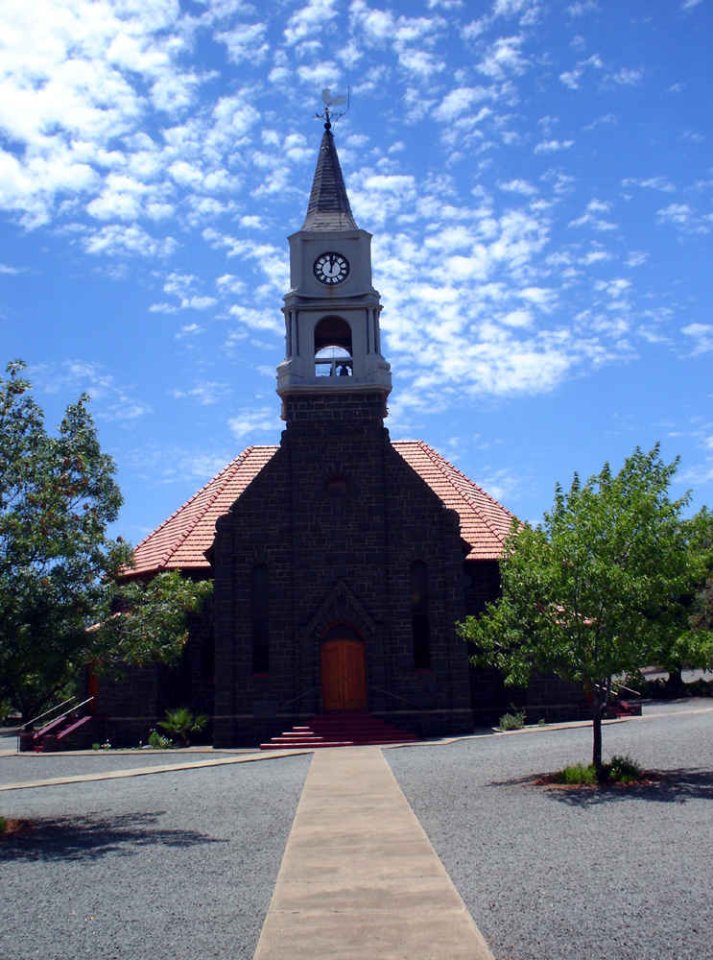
343, 670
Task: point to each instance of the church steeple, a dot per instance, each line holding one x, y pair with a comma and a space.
332, 335
328, 207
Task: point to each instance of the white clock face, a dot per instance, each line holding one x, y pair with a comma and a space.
331, 268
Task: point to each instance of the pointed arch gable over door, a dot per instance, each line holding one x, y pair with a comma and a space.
343, 670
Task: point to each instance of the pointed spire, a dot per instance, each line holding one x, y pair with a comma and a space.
328, 207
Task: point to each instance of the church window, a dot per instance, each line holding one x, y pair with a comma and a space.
259, 609
420, 622
337, 486
333, 348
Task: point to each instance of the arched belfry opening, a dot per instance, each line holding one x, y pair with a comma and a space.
333, 348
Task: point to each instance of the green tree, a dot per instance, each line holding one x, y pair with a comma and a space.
62, 605
146, 621
693, 644
701, 618
599, 588
57, 497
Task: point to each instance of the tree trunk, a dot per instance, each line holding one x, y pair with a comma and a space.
674, 683
597, 743
599, 705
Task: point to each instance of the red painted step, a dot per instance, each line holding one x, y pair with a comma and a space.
339, 730
50, 737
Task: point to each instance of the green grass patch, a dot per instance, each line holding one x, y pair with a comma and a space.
512, 721
576, 775
620, 769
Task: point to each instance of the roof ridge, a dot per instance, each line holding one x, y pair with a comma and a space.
435, 457
181, 539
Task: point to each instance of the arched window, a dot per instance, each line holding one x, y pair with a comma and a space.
259, 611
420, 623
333, 348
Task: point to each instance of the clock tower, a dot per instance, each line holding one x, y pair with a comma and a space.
331, 311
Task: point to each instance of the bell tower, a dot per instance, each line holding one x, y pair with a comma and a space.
332, 336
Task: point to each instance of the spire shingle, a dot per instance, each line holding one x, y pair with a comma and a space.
328, 207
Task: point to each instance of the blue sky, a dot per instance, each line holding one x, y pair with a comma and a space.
537, 177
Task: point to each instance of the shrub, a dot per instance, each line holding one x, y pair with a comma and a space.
3, 825
181, 722
623, 770
512, 721
158, 741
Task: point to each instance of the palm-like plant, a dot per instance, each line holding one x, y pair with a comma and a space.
181, 722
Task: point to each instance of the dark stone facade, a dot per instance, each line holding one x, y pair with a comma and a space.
337, 518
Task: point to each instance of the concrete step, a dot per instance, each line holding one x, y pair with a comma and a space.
305, 745
340, 729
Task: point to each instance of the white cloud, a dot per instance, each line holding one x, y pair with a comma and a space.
250, 421
581, 7
459, 101
518, 186
685, 218
591, 217
117, 240
572, 78
637, 258
207, 393
650, 183
245, 42
189, 330
258, 319
627, 76
553, 146
111, 400
701, 335
309, 20
513, 8
502, 58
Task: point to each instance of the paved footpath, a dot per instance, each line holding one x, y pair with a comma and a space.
359, 878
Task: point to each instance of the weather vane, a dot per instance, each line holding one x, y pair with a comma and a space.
330, 101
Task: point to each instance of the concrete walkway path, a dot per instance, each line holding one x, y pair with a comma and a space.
359, 878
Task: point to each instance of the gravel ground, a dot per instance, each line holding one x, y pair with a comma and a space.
174, 867
575, 875
18, 768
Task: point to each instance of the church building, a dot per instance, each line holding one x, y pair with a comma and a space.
341, 560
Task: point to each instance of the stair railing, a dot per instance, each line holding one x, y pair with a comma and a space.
288, 703
61, 716
396, 696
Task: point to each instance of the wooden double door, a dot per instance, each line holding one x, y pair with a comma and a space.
343, 673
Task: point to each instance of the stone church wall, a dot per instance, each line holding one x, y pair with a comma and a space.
338, 518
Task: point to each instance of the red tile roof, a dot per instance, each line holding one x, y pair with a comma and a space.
181, 541
484, 522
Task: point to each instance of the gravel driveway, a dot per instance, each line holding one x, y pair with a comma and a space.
553, 875
173, 867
